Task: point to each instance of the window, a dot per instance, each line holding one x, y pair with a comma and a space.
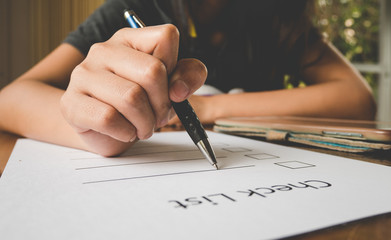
361, 30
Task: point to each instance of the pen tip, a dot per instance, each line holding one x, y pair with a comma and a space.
215, 165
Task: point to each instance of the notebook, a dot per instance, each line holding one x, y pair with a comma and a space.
336, 134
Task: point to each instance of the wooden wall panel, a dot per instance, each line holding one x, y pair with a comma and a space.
29, 30
19, 37
3, 42
52, 20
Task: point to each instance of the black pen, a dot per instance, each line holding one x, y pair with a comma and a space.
183, 109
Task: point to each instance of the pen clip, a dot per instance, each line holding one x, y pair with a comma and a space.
133, 19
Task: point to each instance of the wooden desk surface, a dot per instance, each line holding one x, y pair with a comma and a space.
378, 227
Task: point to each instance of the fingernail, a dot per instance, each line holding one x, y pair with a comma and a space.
180, 89
133, 138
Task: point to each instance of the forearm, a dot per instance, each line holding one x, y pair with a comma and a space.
32, 109
331, 99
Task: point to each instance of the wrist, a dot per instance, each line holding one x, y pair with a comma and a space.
216, 108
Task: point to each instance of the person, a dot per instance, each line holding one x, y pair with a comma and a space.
107, 85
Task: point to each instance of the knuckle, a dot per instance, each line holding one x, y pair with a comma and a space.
135, 97
78, 70
65, 110
120, 34
107, 117
78, 77
97, 51
155, 70
97, 47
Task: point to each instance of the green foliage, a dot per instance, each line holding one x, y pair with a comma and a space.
353, 27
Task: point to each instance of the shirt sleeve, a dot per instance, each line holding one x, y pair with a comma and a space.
101, 25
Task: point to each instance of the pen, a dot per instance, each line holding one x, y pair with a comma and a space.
183, 109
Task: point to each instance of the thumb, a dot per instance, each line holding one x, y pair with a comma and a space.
189, 75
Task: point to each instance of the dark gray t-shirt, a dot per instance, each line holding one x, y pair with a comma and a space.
249, 58
108, 19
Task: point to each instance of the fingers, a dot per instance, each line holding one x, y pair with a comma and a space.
87, 113
161, 41
144, 70
126, 97
103, 144
144, 56
188, 76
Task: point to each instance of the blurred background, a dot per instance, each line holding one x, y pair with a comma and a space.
360, 29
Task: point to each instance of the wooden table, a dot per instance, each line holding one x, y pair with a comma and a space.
378, 227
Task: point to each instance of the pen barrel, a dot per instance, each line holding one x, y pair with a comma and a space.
190, 121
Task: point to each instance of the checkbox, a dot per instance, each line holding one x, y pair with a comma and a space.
261, 156
237, 149
294, 164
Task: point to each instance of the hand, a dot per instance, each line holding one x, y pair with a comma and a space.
121, 91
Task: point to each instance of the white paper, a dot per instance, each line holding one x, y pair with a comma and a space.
163, 188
